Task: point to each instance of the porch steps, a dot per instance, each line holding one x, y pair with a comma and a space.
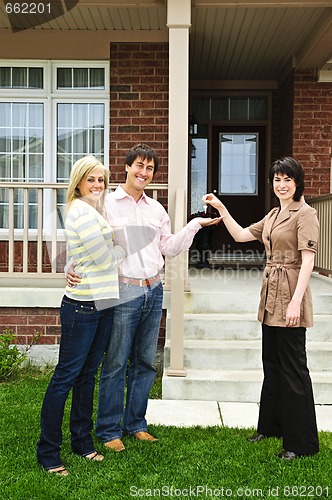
222, 342
233, 386
199, 354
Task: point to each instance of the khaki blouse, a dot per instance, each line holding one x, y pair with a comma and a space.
284, 235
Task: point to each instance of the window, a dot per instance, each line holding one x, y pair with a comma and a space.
216, 109
238, 164
80, 130
21, 77
199, 154
21, 141
81, 78
51, 114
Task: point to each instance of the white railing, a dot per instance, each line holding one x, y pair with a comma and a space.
323, 260
38, 251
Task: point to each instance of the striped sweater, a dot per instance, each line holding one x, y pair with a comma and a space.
90, 245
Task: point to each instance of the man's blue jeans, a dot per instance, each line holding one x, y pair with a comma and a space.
134, 336
84, 335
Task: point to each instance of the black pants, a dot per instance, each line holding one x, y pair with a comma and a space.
287, 406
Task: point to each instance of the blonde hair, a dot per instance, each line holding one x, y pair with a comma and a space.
80, 170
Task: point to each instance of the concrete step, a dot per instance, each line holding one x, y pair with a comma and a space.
240, 302
238, 291
233, 386
242, 354
216, 354
221, 302
242, 327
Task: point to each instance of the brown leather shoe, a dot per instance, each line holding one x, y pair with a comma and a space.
144, 436
115, 445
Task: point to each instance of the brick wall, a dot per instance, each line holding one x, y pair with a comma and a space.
139, 104
312, 130
275, 134
286, 118
25, 321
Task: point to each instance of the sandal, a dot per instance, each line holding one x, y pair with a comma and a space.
94, 456
59, 471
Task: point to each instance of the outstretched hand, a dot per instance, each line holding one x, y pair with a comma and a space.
208, 221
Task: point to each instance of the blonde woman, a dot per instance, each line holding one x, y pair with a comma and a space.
86, 316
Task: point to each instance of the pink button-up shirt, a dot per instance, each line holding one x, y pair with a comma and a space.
143, 229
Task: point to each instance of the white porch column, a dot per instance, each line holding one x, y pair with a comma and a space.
178, 22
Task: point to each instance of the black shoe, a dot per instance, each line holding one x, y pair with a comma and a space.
255, 438
287, 455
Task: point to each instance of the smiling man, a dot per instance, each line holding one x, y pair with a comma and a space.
142, 226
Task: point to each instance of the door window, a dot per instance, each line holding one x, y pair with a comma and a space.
199, 153
238, 164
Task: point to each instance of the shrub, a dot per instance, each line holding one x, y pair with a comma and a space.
11, 357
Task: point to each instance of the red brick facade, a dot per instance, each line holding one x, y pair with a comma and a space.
24, 322
285, 118
312, 130
138, 104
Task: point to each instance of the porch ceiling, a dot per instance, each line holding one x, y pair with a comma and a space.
229, 40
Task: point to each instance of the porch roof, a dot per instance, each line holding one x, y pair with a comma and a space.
229, 40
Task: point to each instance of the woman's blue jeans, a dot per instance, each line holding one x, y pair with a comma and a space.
134, 336
84, 335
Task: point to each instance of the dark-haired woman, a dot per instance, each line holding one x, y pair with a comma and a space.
289, 233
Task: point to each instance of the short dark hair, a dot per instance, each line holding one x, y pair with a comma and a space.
292, 168
145, 152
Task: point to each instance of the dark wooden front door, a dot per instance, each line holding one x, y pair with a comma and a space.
238, 179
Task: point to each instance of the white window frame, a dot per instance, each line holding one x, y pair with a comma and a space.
50, 96
57, 101
80, 64
26, 63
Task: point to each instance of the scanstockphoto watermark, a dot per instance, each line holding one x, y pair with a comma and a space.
199, 491
204, 491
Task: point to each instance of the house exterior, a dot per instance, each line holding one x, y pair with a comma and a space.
220, 88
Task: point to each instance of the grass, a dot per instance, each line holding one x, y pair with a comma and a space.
213, 462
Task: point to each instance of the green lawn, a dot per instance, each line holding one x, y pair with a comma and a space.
197, 462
